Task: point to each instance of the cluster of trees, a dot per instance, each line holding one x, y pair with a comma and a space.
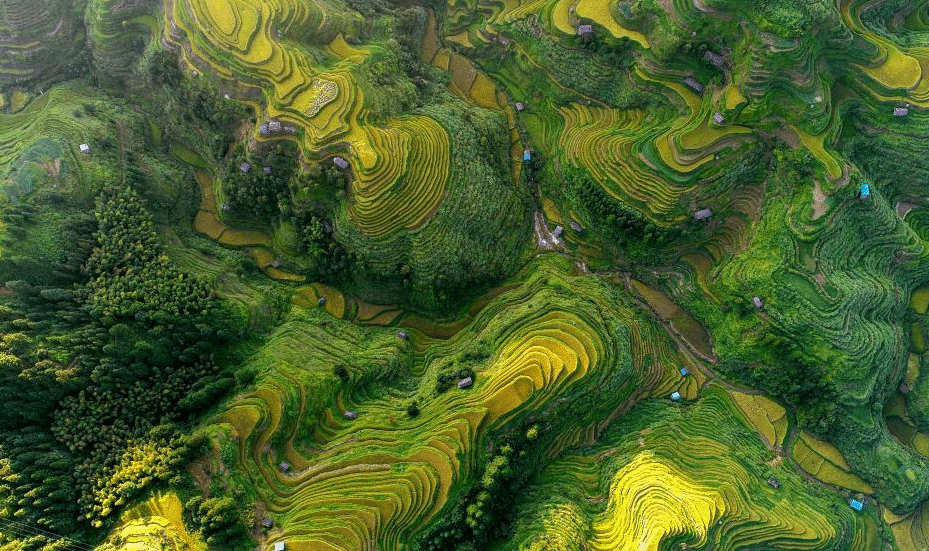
636, 236
97, 373
220, 520
193, 109
483, 512
780, 364
264, 190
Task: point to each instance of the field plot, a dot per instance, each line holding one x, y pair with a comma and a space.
826, 463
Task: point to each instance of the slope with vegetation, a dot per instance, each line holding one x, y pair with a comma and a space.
464, 274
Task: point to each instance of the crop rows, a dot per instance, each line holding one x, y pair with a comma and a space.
401, 178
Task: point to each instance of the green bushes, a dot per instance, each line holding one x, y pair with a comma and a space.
126, 352
218, 519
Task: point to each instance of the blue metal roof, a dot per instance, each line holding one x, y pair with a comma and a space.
675, 395
684, 371
526, 155
865, 190
856, 505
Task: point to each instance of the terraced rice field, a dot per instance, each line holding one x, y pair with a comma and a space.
372, 481
400, 169
825, 462
401, 175
156, 524
636, 490
609, 144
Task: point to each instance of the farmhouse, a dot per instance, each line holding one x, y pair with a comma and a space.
901, 111
85, 148
245, 167
350, 415
274, 126
576, 227
321, 301
402, 335
714, 59
284, 466
266, 170
684, 372
263, 129
675, 396
267, 522
718, 118
558, 231
855, 504
527, 155
584, 30
520, 106
757, 302
340, 162
466, 382
865, 191
279, 546
694, 84
703, 214
774, 483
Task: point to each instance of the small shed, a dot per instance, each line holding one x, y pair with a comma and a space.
703, 214
290, 129
520, 106
467, 382
263, 129
584, 30
85, 148
274, 126
757, 302
558, 231
266, 170
714, 59
865, 191
904, 388
350, 415
774, 483
694, 84
402, 335
340, 162
718, 118
321, 301
245, 167
675, 396
225, 207
267, 522
855, 504
684, 372
284, 466
279, 546
576, 227
527, 155
901, 111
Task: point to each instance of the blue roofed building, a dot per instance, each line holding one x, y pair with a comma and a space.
684, 372
527, 155
675, 396
865, 191
855, 504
